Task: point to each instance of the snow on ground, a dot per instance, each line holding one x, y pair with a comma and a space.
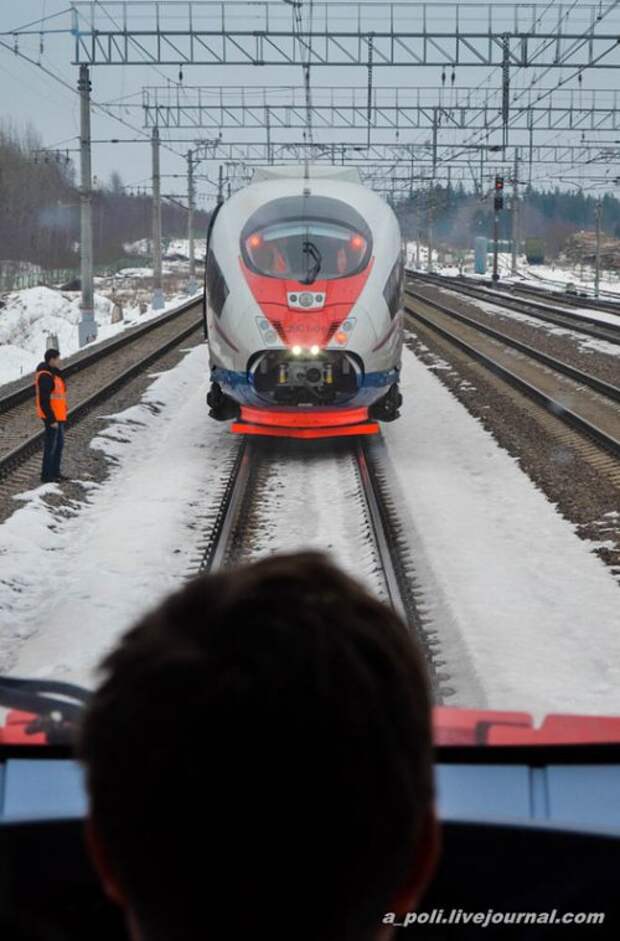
69, 587
134, 273
528, 616
336, 525
33, 315
141, 247
593, 314
411, 254
173, 247
181, 247
144, 272
554, 274
538, 276
585, 343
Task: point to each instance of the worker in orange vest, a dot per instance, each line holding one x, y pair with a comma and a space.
51, 405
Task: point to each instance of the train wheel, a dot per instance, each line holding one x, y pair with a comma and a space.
387, 408
221, 406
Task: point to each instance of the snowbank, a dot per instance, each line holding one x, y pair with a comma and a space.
33, 315
30, 317
132, 542
174, 247
181, 247
527, 615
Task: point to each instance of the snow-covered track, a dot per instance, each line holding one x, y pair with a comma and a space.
95, 376
263, 508
574, 397
578, 322
581, 300
606, 389
555, 291
222, 545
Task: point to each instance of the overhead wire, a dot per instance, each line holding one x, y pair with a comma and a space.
94, 104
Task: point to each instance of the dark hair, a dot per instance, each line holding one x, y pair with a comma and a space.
51, 354
258, 756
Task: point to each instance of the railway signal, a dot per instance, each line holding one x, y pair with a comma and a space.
499, 193
499, 205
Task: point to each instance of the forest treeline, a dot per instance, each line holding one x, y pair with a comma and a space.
40, 211
458, 216
40, 208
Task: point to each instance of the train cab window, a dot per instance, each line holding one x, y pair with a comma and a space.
305, 239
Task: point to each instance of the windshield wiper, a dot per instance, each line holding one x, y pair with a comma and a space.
311, 251
58, 706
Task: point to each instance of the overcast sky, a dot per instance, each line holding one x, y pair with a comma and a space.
28, 95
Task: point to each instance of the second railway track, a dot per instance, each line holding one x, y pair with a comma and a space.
590, 326
587, 404
94, 377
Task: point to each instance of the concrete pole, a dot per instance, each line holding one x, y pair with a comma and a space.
435, 129
268, 130
220, 186
495, 246
158, 301
597, 266
192, 286
87, 327
515, 214
429, 265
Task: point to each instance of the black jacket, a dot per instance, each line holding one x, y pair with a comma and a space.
46, 387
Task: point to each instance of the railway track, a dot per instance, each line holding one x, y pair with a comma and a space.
575, 398
581, 323
95, 376
234, 535
564, 299
610, 303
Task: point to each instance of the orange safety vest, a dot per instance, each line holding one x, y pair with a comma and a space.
58, 396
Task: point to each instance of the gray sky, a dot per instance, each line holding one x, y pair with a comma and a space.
27, 94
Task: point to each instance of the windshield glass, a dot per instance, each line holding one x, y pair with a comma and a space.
294, 249
305, 238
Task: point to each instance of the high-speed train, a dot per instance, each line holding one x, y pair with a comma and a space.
303, 296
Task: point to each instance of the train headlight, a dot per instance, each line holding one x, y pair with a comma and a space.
343, 334
315, 350
296, 351
268, 334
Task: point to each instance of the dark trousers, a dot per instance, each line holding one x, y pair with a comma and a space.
52, 450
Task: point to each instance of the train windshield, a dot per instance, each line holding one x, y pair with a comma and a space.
304, 239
